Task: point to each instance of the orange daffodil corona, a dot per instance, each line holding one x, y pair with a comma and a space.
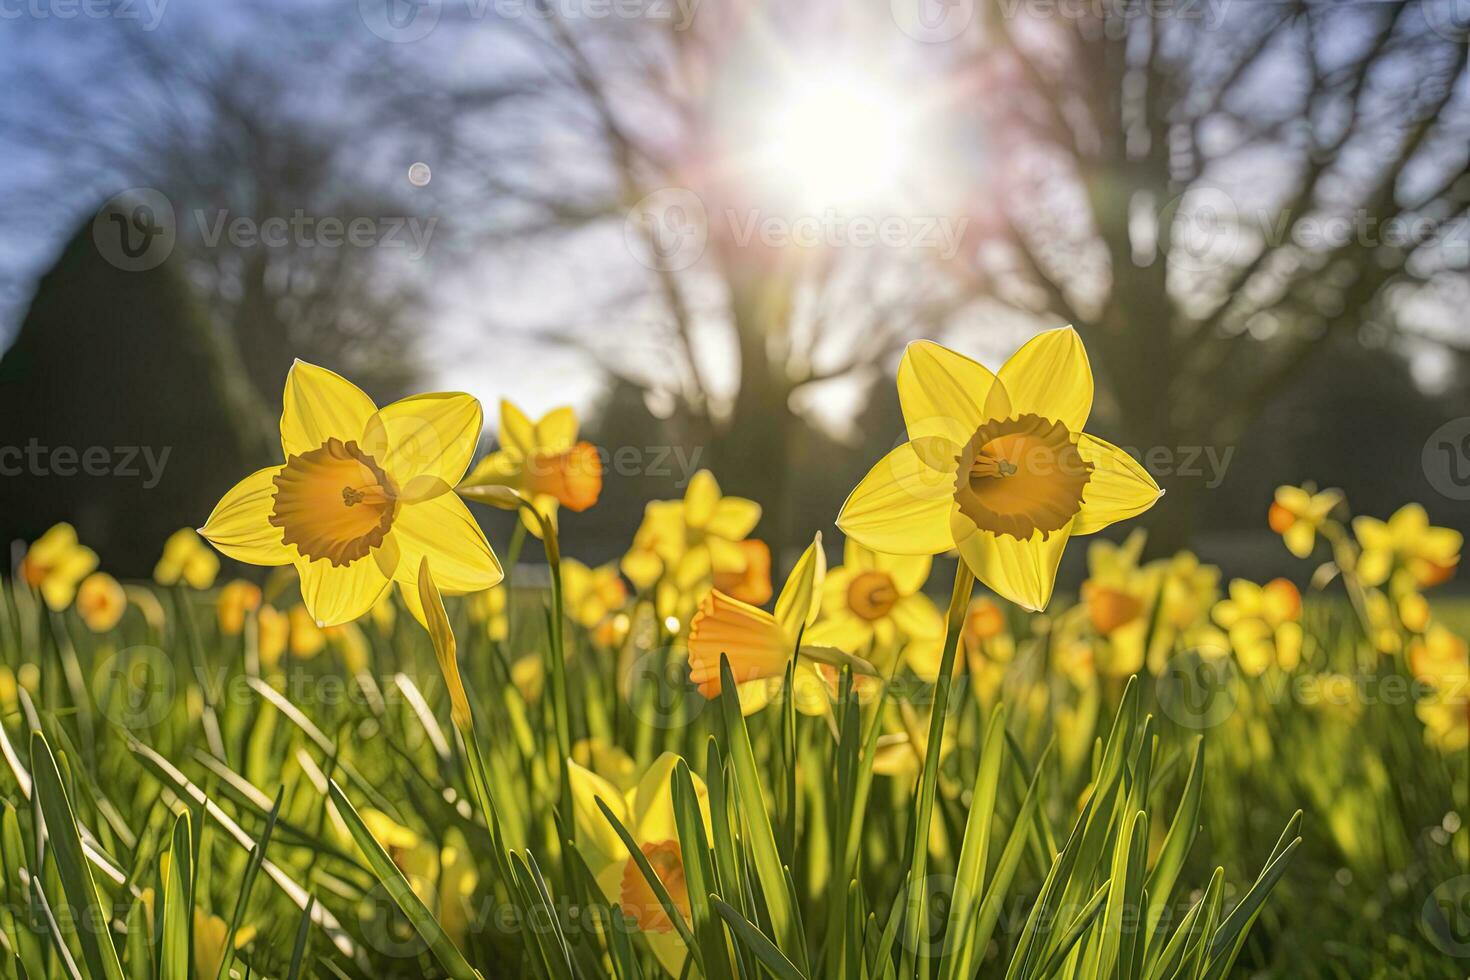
365, 495
997, 466
759, 644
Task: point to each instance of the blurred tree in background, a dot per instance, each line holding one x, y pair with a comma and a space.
117, 410
1208, 192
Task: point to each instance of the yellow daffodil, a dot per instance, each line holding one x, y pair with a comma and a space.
873, 600
364, 495
544, 461
444, 878
988, 647
1187, 592
273, 629
759, 644
1298, 513
1442, 660
307, 638
186, 559
384, 614
608, 761
528, 676
55, 563
235, 600
1119, 596
1414, 611
1407, 542
487, 609
590, 595
751, 584
1384, 626
101, 602
210, 933
351, 645
997, 466
1439, 656
1262, 621
692, 539
647, 811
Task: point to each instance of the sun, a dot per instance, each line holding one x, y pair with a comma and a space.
837, 140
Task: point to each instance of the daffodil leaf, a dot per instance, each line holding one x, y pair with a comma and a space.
836, 658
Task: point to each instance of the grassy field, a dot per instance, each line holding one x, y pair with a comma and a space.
211, 785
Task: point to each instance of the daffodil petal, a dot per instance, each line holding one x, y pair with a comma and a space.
857, 557
701, 498
801, 597
516, 431
240, 525
445, 531
755, 695
337, 594
591, 824
425, 441
909, 572
902, 506
1049, 376
557, 430
1023, 571
944, 393
319, 404
1117, 489
734, 518
916, 616
1300, 539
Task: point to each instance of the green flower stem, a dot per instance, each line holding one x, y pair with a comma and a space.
959, 602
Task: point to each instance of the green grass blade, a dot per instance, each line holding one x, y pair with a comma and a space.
92, 922
780, 903
178, 903
755, 940
398, 888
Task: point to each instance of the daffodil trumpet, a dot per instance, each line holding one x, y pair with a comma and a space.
760, 645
